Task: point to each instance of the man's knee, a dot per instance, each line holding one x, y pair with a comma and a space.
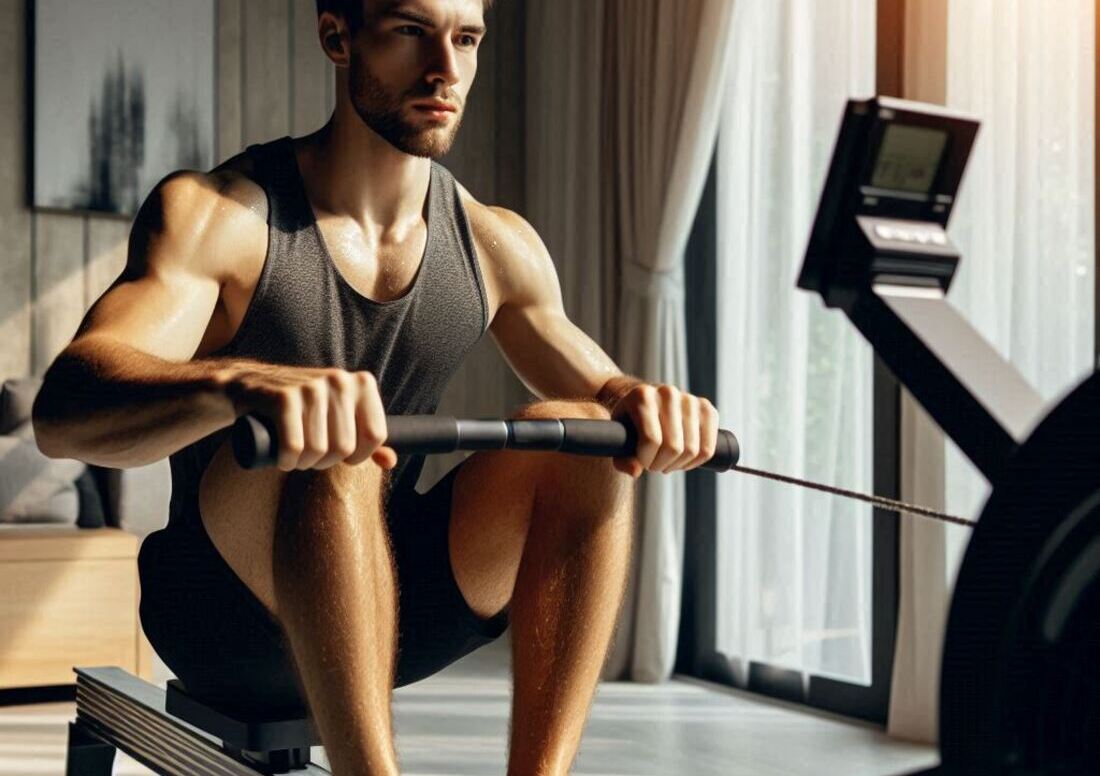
563, 408
360, 484
561, 477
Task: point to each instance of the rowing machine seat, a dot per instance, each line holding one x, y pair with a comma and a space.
250, 733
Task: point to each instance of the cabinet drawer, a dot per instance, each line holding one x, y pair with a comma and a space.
59, 613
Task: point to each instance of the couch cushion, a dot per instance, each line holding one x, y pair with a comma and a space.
138, 497
16, 400
33, 487
93, 512
135, 499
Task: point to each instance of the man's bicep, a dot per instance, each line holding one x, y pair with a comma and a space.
551, 355
548, 352
161, 302
163, 313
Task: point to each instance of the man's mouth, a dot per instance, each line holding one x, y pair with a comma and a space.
435, 109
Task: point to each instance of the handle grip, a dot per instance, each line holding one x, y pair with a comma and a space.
255, 441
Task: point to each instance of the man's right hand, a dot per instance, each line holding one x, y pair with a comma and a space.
323, 416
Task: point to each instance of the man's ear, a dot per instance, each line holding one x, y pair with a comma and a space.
335, 38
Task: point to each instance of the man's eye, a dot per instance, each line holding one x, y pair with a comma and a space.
467, 40
410, 29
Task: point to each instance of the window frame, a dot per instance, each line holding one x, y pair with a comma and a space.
697, 654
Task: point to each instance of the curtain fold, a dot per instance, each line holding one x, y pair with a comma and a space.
564, 163
622, 115
794, 379
665, 69
1025, 224
653, 346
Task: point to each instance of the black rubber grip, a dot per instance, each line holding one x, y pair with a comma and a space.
422, 433
619, 440
255, 442
727, 452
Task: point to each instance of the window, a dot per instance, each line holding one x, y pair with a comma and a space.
1025, 220
792, 593
792, 569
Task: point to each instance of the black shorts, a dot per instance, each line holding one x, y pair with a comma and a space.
223, 644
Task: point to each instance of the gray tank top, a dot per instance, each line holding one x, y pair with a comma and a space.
304, 313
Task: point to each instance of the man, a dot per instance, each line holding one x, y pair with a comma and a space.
324, 282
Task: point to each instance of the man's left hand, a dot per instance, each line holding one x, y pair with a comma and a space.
676, 430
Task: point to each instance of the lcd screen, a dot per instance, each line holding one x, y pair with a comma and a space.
909, 158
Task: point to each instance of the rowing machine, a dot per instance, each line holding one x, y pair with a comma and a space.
1019, 692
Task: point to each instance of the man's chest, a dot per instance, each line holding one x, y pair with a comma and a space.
378, 269
384, 270
381, 270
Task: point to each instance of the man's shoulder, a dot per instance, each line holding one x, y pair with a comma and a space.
516, 257
498, 230
225, 193
219, 217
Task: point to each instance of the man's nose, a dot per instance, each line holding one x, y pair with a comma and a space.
444, 65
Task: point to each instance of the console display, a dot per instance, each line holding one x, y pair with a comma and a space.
908, 158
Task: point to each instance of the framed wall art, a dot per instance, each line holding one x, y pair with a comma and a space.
123, 94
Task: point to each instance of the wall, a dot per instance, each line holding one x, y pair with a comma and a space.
273, 80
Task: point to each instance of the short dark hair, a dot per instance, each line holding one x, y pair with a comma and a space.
352, 10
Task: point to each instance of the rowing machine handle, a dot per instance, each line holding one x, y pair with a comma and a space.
255, 440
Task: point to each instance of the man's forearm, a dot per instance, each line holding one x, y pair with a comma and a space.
113, 405
616, 388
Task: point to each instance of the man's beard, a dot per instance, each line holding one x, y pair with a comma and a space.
382, 111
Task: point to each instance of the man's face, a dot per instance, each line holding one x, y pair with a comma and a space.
412, 64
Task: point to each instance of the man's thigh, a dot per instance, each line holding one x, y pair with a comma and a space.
239, 508
493, 502
490, 514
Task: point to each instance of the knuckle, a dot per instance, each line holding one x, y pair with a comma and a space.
312, 449
284, 400
337, 378
667, 391
312, 389
649, 433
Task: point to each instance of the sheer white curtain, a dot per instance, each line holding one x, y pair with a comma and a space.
665, 63
1024, 223
794, 566
1025, 217
622, 117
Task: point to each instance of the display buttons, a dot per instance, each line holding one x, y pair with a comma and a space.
920, 236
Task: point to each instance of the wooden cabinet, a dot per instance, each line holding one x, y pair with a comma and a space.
68, 597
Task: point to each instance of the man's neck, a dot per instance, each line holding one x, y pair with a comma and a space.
352, 171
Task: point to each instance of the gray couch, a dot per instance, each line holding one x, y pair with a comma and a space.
35, 489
